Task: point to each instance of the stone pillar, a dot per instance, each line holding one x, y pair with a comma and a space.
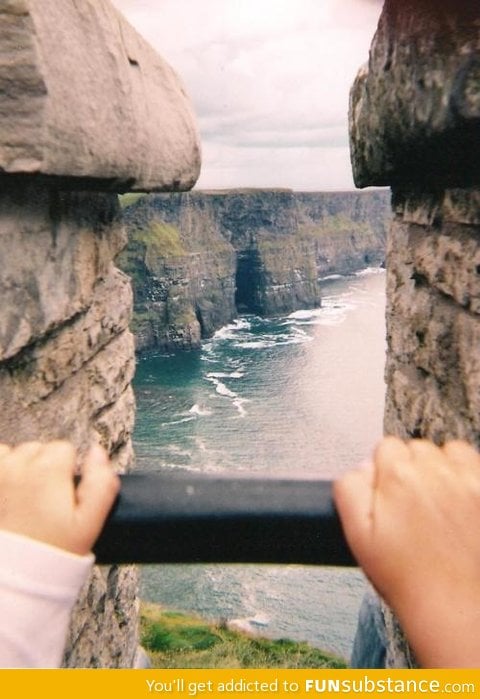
415, 126
87, 109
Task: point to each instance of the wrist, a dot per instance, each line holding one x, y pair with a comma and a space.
54, 570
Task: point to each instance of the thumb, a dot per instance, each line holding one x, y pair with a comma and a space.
95, 494
353, 496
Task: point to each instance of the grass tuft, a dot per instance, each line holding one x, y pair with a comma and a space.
160, 240
130, 198
176, 640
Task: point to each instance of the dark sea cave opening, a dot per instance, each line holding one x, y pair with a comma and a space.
246, 282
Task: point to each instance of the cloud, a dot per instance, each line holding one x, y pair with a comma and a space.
269, 80
299, 168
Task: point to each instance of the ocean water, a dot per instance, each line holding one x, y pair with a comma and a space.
296, 395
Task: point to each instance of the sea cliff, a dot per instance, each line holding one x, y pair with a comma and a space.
198, 259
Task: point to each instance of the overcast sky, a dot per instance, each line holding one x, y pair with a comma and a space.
269, 81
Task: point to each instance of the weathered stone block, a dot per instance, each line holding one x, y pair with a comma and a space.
415, 110
114, 423
54, 247
433, 332
67, 412
103, 635
84, 96
446, 259
51, 361
432, 373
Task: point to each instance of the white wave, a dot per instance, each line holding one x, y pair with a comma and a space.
330, 277
200, 410
303, 315
239, 403
297, 340
175, 449
222, 390
301, 333
209, 360
370, 270
178, 422
225, 375
228, 331
255, 344
220, 387
268, 341
333, 311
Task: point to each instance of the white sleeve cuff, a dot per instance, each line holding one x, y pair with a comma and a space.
39, 585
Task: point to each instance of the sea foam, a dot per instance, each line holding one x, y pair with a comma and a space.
200, 410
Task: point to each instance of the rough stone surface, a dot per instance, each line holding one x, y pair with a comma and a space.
86, 105
66, 363
433, 288
54, 281
415, 125
198, 259
433, 332
84, 96
415, 110
103, 631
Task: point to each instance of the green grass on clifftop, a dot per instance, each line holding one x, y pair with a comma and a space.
130, 198
161, 239
336, 226
173, 639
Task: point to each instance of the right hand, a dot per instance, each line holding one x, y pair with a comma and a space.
412, 520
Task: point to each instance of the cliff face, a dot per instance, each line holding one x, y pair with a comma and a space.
197, 259
182, 268
275, 270
349, 229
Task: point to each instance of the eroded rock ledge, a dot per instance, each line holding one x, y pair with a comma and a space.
84, 96
415, 108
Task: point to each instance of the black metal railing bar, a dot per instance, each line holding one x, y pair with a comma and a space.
190, 518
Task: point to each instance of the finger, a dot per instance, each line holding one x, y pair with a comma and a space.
23, 454
353, 496
461, 454
96, 493
390, 458
426, 454
4, 450
58, 457
464, 462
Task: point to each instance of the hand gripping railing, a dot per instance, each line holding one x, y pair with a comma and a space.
189, 518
